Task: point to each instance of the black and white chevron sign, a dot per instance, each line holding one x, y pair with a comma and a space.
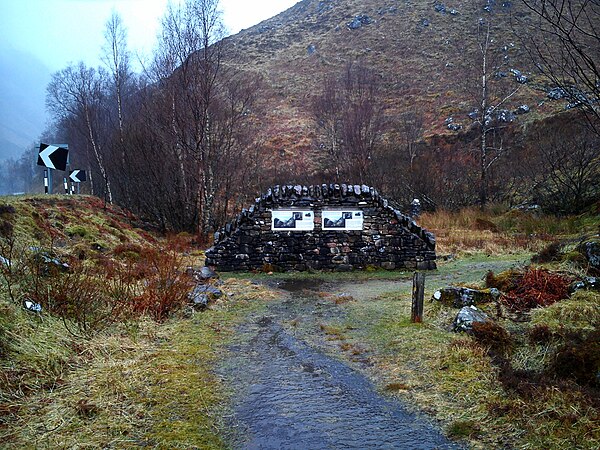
53, 157
77, 176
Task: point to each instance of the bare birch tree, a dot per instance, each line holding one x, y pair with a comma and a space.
488, 118
205, 105
76, 93
564, 42
349, 115
116, 59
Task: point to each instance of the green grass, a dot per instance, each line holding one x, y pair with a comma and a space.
580, 313
139, 384
451, 376
35, 351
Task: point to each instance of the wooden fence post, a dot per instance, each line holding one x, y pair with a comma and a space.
418, 295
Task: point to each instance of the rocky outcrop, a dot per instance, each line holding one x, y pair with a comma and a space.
591, 250
359, 21
586, 283
388, 238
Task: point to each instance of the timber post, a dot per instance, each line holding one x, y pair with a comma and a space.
418, 295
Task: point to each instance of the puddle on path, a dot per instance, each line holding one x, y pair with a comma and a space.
290, 395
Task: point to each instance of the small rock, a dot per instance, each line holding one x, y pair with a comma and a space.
504, 115
424, 22
523, 109
591, 251
454, 12
515, 72
458, 297
32, 306
359, 21
207, 289
311, 49
200, 301
589, 283
440, 7
556, 93
466, 317
206, 273
474, 115
50, 264
454, 126
522, 79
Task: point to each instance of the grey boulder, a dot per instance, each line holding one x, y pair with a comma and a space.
468, 316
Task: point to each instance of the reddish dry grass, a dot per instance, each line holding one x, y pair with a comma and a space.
537, 287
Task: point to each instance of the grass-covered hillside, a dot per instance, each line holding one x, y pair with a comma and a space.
100, 345
97, 335
425, 52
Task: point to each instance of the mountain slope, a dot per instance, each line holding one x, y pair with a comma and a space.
425, 52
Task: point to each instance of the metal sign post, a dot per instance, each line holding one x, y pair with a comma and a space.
66, 185
46, 182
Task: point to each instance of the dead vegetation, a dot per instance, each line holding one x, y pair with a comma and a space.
530, 384
528, 378
111, 335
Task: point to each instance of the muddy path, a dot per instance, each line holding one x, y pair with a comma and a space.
291, 391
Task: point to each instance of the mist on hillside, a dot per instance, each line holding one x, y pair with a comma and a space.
23, 80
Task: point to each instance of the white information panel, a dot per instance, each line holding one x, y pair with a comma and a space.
342, 220
292, 220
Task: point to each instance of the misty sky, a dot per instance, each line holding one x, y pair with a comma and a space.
61, 31
40, 37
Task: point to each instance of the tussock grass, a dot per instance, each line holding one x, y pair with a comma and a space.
454, 378
496, 230
34, 351
580, 313
140, 384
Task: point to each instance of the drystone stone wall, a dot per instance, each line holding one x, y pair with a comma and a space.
386, 238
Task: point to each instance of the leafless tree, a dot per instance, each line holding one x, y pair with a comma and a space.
199, 111
76, 93
410, 130
326, 110
563, 166
488, 117
116, 59
120, 89
564, 42
400, 166
349, 115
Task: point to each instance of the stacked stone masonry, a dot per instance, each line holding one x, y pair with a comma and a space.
389, 239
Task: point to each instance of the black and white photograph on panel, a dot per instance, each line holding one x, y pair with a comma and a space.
292, 220
342, 220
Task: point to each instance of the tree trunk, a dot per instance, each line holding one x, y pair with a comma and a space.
97, 155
